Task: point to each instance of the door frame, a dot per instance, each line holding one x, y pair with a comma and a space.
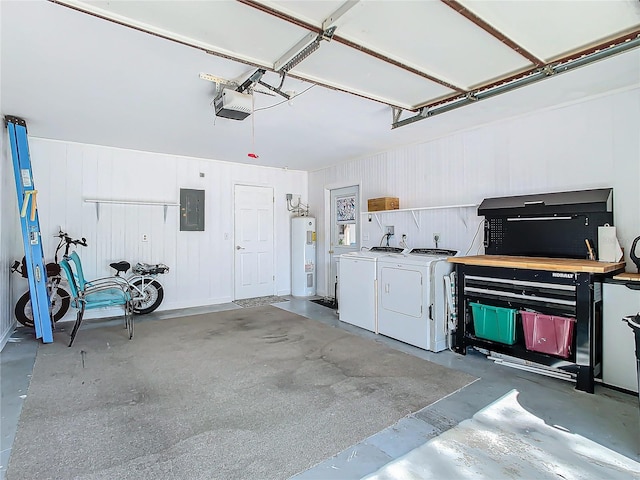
233, 236
326, 256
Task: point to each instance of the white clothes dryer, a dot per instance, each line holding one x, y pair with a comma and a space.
357, 286
411, 297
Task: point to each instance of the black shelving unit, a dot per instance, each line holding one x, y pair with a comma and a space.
574, 294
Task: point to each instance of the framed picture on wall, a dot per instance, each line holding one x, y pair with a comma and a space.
346, 209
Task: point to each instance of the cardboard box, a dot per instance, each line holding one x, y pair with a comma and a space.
383, 203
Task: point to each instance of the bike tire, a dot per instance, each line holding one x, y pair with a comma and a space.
152, 298
60, 303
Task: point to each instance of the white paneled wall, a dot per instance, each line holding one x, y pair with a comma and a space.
201, 263
9, 228
590, 144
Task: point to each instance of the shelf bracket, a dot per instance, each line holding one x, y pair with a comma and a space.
375, 215
415, 219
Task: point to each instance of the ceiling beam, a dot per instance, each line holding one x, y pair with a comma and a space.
479, 22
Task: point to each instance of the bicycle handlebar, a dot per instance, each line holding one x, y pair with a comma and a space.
70, 241
67, 241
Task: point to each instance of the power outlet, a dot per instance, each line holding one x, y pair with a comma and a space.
145, 237
388, 230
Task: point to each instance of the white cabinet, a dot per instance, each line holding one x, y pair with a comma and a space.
618, 340
357, 285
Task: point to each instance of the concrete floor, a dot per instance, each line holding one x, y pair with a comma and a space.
608, 417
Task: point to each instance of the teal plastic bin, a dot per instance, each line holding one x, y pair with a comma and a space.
497, 324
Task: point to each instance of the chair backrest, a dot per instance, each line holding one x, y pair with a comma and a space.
73, 286
82, 282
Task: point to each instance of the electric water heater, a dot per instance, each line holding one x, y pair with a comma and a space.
303, 256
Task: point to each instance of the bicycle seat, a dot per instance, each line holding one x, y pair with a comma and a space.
120, 266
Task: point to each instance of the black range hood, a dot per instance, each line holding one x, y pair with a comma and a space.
582, 201
547, 224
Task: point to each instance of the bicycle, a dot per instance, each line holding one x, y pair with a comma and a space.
147, 293
59, 297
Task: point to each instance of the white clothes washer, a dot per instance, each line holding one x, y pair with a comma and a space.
411, 297
357, 287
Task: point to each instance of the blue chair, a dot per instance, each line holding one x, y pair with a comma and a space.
96, 294
118, 282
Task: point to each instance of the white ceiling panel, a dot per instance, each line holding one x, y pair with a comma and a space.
351, 70
552, 29
433, 38
310, 11
225, 27
464, 46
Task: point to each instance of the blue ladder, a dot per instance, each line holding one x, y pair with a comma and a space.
30, 225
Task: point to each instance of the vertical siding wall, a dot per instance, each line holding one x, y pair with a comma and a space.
586, 145
6, 238
201, 263
6, 316
9, 228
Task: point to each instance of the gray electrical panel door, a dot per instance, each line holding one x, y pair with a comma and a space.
191, 210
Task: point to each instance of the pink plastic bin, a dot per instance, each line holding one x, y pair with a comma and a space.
547, 333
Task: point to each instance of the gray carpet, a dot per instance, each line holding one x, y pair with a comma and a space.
257, 393
259, 301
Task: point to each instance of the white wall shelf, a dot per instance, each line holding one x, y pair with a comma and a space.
98, 201
414, 210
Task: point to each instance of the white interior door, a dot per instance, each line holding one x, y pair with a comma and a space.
345, 227
253, 234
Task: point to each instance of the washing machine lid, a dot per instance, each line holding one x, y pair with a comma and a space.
373, 252
419, 256
434, 252
386, 249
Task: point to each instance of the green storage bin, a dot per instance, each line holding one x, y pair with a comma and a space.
494, 323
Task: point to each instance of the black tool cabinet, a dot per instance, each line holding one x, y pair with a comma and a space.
561, 290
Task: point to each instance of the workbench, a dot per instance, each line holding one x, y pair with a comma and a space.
551, 286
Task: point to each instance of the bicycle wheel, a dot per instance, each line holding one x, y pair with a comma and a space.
60, 302
148, 299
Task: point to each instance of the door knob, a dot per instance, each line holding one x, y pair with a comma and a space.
238, 247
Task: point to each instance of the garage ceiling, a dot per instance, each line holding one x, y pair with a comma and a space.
406, 54
377, 64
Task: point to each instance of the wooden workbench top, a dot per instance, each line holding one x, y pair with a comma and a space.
539, 263
634, 277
